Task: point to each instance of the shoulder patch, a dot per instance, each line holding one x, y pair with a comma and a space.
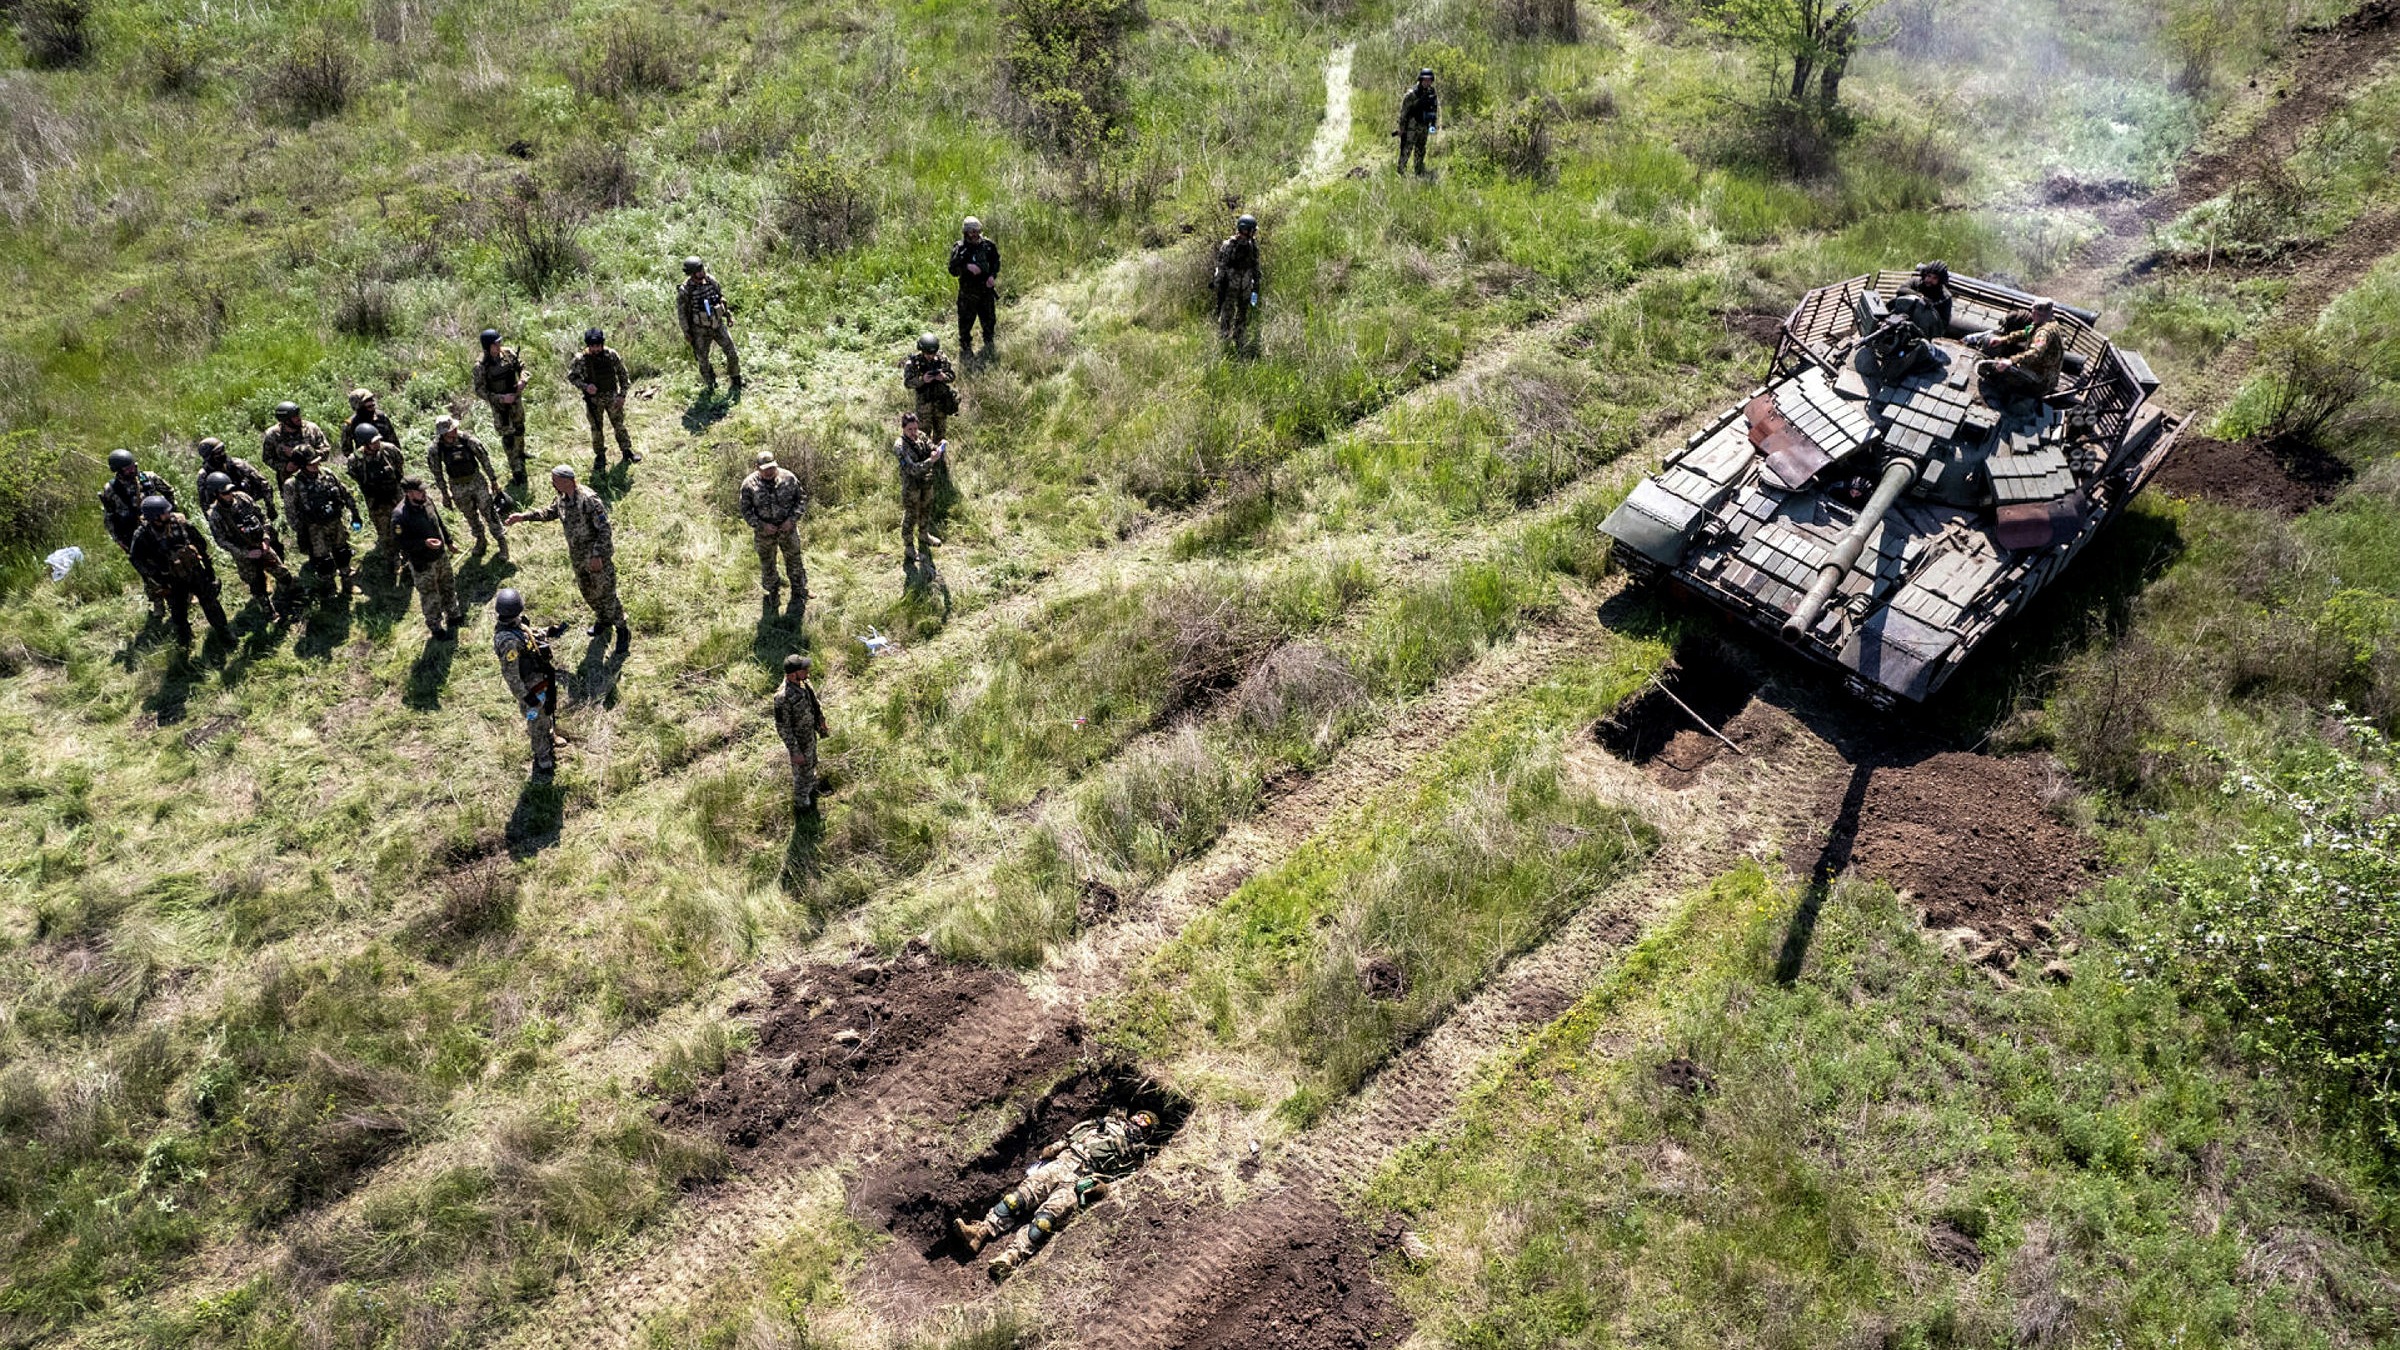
509, 655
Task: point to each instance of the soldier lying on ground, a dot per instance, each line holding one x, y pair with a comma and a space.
1074, 1172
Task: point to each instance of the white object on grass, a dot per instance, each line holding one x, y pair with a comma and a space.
63, 562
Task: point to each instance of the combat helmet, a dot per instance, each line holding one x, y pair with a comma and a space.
155, 507
593, 337
286, 411
217, 484
928, 343
693, 266
508, 604
1246, 225
120, 460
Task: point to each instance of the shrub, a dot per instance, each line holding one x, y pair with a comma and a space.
596, 174
56, 33
1301, 683
2292, 929
2309, 381
1529, 19
365, 307
35, 496
1519, 143
537, 233
1063, 62
821, 203
633, 57
315, 77
176, 61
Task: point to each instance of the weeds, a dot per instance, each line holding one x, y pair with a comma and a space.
821, 203
597, 175
539, 237
634, 56
57, 34
366, 307
2310, 381
314, 77
1064, 63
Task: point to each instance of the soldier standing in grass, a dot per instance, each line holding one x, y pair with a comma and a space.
500, 383
929, 375
316, 501
707, 322
1420, 117
463, 474
975, 261
773, 500
531, 673
920, 461
1236, 280
243, 528
425, 543
366, 420
800, 720
121, 497
291, 442
239, 474
600, 374
591, 547
1074, 1172
174, 558
376, 466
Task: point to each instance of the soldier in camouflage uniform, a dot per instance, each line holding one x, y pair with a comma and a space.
315, 502
1236, 280
122, 495
500, 383
366, 418
377, 468
930, 376
242, 527
424, 541
706, 320
600, 375
463, 474
174, 559
2026, 359
773, 501
290, 442
800, 720
1074, 1172
591, 547
239, 473
1420, 117
531, 673
920, 459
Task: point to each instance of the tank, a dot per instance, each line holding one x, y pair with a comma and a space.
1878, 506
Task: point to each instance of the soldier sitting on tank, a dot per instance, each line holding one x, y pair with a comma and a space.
1073, 1172
1927, 301
2026, 360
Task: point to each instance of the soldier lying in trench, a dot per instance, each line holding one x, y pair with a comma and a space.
1073, 1172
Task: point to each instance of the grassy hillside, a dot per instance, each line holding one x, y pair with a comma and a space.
324, 1027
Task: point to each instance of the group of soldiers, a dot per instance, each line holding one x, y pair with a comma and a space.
2023, 357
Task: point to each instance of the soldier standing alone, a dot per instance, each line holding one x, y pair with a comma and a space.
462, 472
591, 547
1420, 117
800, 720
174, 558
975, 261
500, 383
600, 373
930, 376
376, 466
425, 544
292, 441
773, 501
246, 532
316, 501
920, 460
706, 321
1236, 280
531, 673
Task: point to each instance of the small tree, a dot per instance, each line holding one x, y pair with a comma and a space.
1808, 41
821, 202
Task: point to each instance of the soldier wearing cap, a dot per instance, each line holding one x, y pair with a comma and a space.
315, 502
707, 321
1420, 117
243, 526
174, 559
366, 418
500, 383
376, 466
292, 441
463, 474
800, 720
2027, 358
773, 500
530, 671
920, 459
1236, 281
600, 374
425, 544
239, 474
122, 495
975, 261
591, 547
929, 375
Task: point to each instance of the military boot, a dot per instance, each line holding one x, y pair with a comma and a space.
973, 1232
1005, 1264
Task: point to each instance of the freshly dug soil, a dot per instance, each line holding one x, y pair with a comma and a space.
1968, 838
1661, 730
1763, 329
1308, 1281
2248, 473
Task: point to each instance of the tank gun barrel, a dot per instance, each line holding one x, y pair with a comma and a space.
1897, 475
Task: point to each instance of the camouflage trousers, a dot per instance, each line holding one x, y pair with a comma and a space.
1233, 306
598, 411
783, 541
1412, 139
719, 336
255, 571
509, 420
437, 591
804, 769
474, 501
936, 423
600, 592
541, 728
916, 516
1043, 1202
327, 548
379, 514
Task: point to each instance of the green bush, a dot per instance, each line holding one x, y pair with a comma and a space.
56, 33
35, 496
2292, 929
1064, 60
821, 203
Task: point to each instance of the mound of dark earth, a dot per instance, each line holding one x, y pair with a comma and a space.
1306, 1281
2250, 473
1968, 837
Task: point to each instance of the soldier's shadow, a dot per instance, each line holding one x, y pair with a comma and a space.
596, 674
429, 675
803, 860
481, 577
328, 628
922, 583
780, 632
706, 411
540, 816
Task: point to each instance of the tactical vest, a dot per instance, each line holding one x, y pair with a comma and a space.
459, 461
377, 475
320, 500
